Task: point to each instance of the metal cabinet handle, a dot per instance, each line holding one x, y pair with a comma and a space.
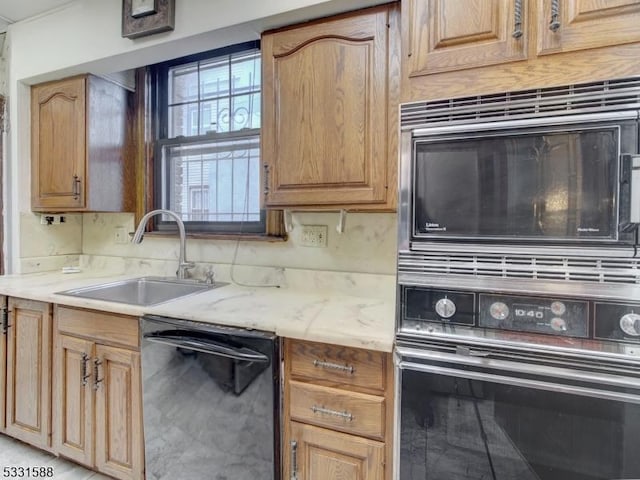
335, 413
554, 25
294, 460
517, 19
266, 180
333, 366
84, 370
96, 373
4, 313
76, 187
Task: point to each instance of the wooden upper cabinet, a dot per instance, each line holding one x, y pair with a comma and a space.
584, 24
447, 35
80, 153
58, 131
328, 105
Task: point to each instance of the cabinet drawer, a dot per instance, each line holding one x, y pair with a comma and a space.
338, 365
109, 328
350, 412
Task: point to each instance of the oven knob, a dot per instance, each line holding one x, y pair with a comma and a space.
630, 324
558, 324
499, 310
445, 308
558, 308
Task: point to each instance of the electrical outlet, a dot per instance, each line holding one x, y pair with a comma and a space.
314, 236
52, 219
120, 235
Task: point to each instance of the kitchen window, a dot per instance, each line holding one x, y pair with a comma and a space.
207, 155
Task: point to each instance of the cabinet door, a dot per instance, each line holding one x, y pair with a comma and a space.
447, 35
325, 106
583, 24
321, 454
119, 441
28, 405
73, 399
58, 144
4, 314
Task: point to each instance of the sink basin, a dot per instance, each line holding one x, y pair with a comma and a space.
143, 291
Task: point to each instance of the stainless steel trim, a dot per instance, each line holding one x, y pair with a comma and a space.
207, 346
518, 382
611, 251
627, 293
334, 413
634, 211
333, 366
404, 190
524, 122
397, 398
619, 357
522, 368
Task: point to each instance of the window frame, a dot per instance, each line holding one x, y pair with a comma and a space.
158, 75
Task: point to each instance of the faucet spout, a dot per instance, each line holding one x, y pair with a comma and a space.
183, 265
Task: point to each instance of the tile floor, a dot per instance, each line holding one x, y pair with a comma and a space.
17, 454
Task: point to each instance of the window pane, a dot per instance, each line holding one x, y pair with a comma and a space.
183, 83
213, 180
214, 116
245, 111
183, 120
214, 78
245, 72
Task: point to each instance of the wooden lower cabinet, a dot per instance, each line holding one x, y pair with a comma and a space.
97, 404
28, 375
338, 412
321, 454
4, 319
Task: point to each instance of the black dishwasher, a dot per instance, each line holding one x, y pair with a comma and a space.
210, 401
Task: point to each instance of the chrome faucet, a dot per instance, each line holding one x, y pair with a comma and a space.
183, 265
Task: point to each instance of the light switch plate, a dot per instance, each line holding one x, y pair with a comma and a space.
314, 236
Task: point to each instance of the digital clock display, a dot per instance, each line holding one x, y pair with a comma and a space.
529, 312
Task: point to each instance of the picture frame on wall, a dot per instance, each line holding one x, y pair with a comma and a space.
147, 17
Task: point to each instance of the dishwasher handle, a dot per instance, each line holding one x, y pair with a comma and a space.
206, 345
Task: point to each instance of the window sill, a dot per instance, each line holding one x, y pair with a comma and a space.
251, 237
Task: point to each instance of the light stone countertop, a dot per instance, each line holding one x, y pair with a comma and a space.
329, 317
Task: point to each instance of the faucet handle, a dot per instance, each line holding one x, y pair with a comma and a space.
209, 276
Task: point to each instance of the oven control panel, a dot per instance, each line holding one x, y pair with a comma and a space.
534, 314
617, 321
426, 304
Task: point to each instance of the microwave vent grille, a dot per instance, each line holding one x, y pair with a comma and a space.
610, 95
571, 269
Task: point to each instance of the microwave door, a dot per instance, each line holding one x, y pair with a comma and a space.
557, 186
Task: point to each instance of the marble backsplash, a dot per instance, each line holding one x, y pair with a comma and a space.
368, 245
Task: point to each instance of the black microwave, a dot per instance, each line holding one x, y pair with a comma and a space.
554, 180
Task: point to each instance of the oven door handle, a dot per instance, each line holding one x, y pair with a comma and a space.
522, 382
205, 345
476, 358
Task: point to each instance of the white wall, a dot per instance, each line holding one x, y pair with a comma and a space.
84, 36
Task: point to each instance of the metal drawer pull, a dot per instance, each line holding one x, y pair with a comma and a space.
84, 370
554, 25
334, 366
517, 17
96, 373
76, 187
294, 460
335, 413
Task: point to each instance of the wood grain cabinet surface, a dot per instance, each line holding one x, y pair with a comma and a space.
4, 323
330, 93
454, 48
80, 150
336, 425
28, 375
97, 393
